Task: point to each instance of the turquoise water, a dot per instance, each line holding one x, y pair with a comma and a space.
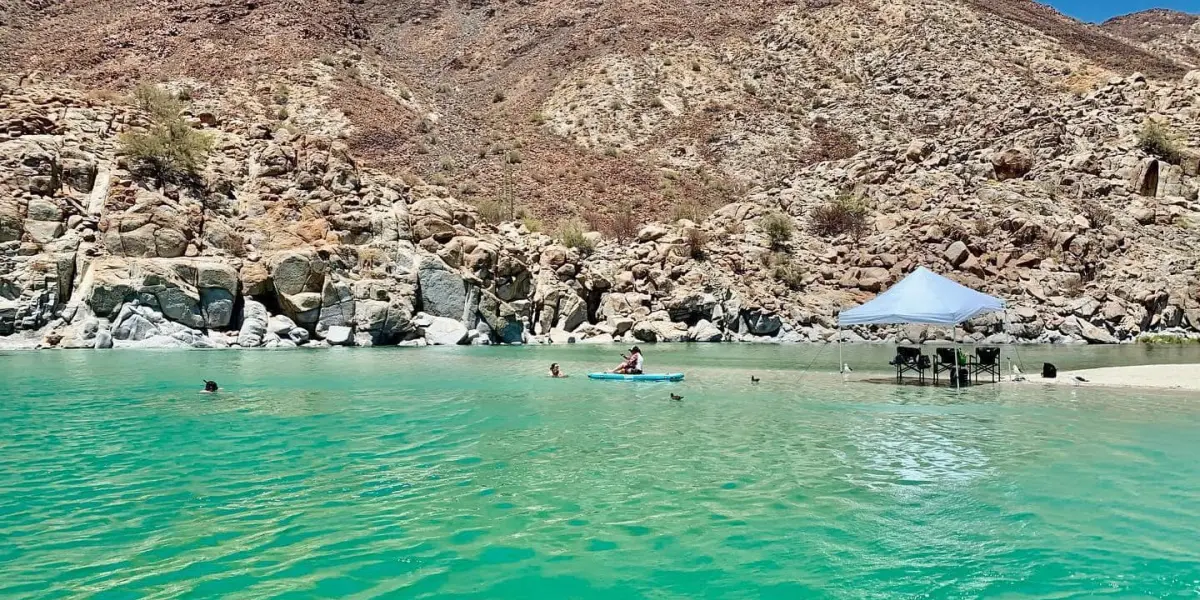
465, 473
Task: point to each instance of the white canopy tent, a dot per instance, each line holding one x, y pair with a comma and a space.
924, 297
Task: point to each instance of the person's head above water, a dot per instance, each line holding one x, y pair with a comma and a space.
210, 386
554, 369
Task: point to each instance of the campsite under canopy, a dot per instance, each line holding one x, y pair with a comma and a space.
923, 297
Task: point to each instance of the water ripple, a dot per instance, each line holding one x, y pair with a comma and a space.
456, 475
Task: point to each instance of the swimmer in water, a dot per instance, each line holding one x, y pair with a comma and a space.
555, 372
210, 386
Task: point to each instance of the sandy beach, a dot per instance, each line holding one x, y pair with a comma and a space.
1174, 377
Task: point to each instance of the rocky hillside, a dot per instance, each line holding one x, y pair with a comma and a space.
349, 173
1167, 32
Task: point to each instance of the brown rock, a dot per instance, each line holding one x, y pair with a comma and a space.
1012, 163
873, 279
956, 253
256, 281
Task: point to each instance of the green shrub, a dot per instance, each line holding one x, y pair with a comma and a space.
159, 103
491, 211
1155, 139
572, 235
786, 270
531, 224
169, 148
778, 228
843, 215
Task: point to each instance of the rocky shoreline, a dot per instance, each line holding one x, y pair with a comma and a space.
285, 240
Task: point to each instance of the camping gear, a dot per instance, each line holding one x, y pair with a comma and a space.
909, 358
924, 297
987, 360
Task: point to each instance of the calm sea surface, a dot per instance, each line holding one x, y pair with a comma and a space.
466, 473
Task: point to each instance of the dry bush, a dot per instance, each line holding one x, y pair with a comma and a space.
843, 215
984, 226
1157, 140
691, 210
955, 232
694, 242
623, 226
492, 211
778, 228
369, 258
829, 144
1097, 215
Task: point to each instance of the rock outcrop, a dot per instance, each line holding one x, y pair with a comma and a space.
804, 169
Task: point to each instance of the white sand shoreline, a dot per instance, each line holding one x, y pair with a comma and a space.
1166, 377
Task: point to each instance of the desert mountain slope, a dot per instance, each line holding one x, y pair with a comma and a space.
1166, 32
803, 155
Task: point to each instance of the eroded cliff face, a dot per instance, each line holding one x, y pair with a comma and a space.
973, 144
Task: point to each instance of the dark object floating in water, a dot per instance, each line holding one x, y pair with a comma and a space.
676, 398
1049, 371
1078, 378
210, 386
754, 379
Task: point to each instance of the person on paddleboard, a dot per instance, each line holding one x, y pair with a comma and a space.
632, 364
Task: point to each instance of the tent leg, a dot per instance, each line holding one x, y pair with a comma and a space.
841, 364
957, 379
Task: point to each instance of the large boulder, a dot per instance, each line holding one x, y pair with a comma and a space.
502, 319
762, 322
254, 324
660, 331
705, 331
622, 304
195, 293
443, 292
337, 305
340, 335
1012, 163
296, 273
32, 163
691, 306
956, 253
440, 331
255, 280
385, 322
1081, 328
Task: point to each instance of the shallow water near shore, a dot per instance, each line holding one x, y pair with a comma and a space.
467, 473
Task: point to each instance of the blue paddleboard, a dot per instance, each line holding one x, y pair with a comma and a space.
642, 377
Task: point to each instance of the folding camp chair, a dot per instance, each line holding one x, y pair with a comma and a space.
909, 359
987, 360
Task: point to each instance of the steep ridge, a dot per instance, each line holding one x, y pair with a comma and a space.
364, 154
1167, 32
